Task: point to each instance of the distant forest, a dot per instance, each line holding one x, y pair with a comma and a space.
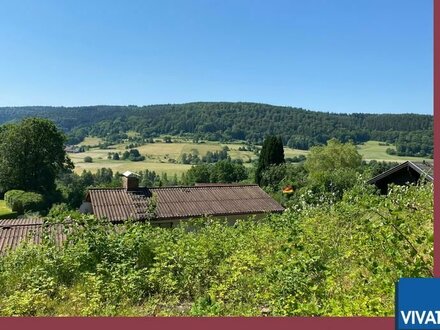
224, 121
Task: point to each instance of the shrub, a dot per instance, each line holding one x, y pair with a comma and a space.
21, 201
88, 159
62, 211
391, 151
133, 155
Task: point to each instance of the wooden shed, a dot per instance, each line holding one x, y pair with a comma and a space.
406, 173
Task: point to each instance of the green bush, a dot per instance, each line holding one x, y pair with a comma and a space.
62, 211
21, 201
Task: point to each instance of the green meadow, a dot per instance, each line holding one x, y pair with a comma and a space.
164, 157
373, 150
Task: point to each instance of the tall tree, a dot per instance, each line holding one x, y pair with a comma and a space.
32, 155
333, 167
335, 155
272, 153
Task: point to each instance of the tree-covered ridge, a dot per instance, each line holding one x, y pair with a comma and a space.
299, 128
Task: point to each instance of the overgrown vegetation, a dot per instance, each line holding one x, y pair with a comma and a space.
328, 258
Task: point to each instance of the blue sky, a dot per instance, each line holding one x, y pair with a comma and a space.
324, 55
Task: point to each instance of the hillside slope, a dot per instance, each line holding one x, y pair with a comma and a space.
299, 128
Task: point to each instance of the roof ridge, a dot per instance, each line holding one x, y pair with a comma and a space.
396, 168
223, 185
424, 171
389, 171
187, 186
106, 188
15, 219
428, 164
20, 225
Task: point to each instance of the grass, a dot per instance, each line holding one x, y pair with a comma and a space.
158, 155
371, 150
289, 153
121, 166
5, 211
91, 141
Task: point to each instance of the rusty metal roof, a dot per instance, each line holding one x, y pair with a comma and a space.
20, 222
15, 231
118, 204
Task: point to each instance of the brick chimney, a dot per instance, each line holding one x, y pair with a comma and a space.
130, 181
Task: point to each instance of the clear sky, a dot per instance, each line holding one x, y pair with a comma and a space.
324, 55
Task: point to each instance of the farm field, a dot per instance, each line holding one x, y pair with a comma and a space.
122, 166
91, 141
158, 155
371, 150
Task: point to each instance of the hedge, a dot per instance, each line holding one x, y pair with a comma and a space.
21, 201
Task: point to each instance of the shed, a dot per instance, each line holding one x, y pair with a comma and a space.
406, 173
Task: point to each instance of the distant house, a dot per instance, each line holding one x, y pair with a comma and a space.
405, 173
173, 204
73, 149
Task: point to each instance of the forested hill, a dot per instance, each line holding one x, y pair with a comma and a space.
299, 128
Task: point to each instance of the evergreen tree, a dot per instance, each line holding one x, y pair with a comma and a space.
272, 153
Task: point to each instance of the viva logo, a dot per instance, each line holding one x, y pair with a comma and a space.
420, 317
418, 304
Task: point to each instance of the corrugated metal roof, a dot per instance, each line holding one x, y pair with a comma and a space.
181, 202
15, 231
21, 221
